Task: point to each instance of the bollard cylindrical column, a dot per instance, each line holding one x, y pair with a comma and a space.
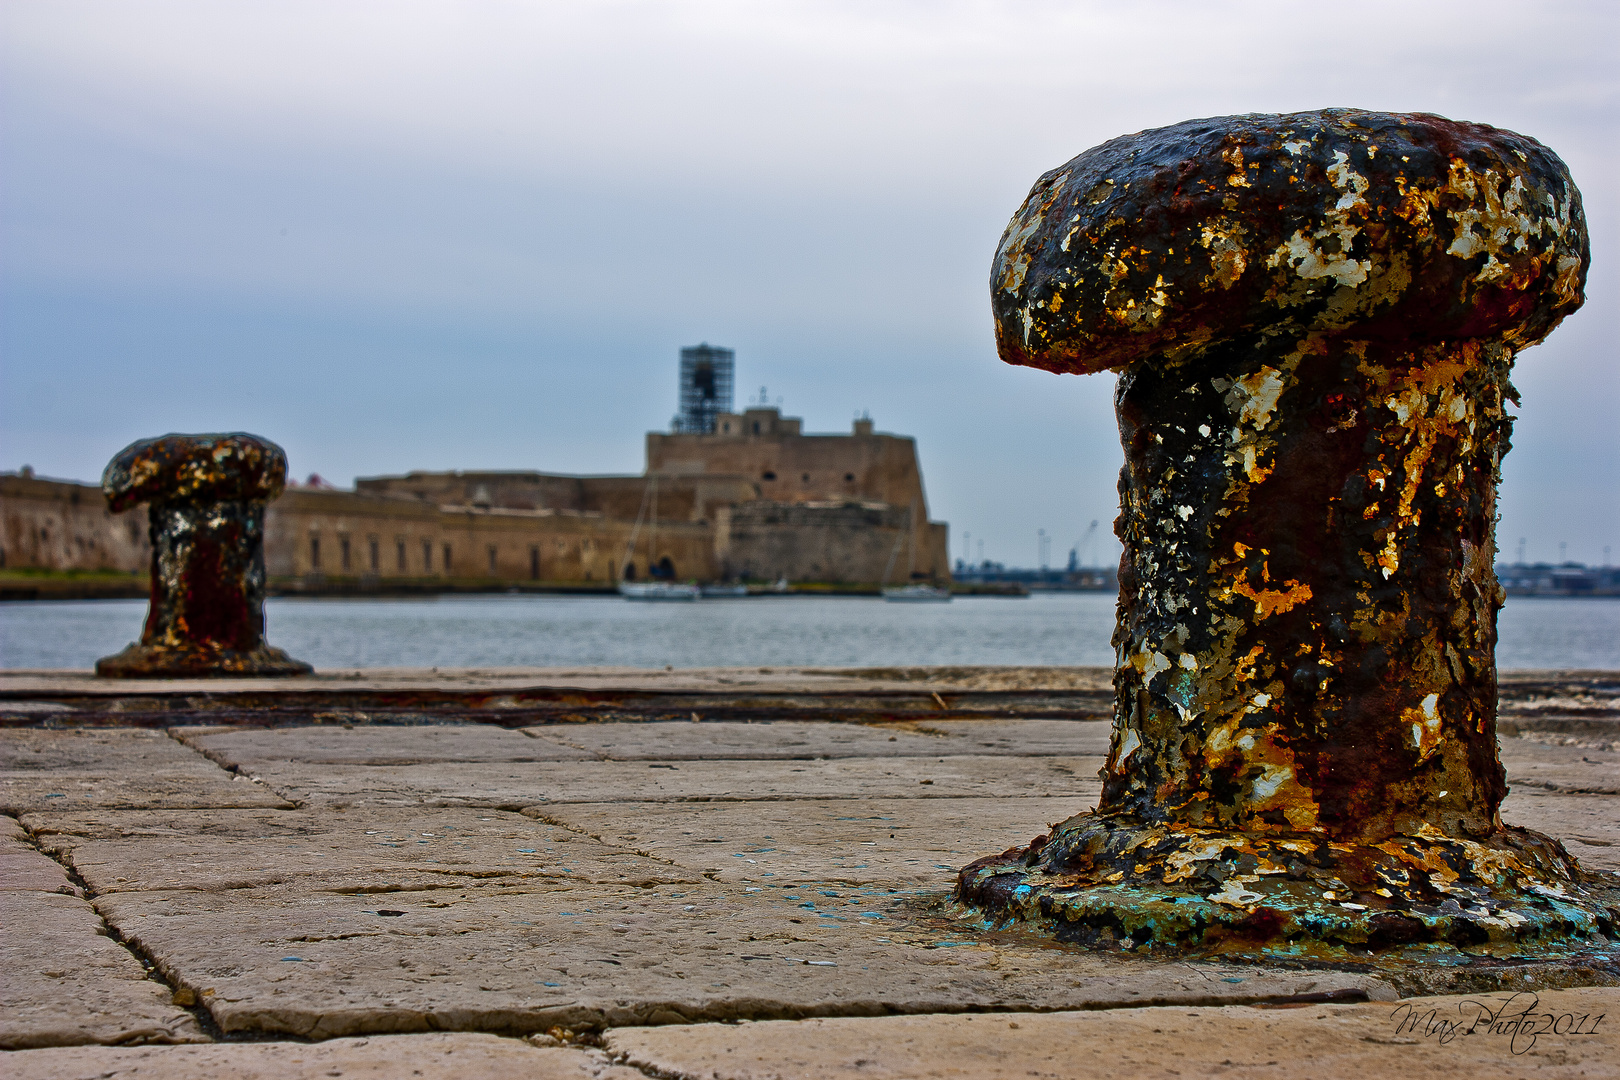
207, 496
1314, 318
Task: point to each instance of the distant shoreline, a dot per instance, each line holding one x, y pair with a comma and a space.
36, 585
28, 586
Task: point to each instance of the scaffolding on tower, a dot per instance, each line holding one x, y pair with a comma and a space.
706, 381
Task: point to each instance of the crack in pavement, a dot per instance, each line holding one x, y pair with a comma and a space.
149, 964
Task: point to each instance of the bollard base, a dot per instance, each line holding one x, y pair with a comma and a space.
1113, 882
170, 662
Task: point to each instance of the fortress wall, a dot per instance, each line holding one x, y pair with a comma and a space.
780, 503
843, 544
62, 525
341, 533
512, 490
680, 497
415, 540
800, 468
622, 497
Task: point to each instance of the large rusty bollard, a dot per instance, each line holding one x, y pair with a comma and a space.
1313, 318
208, 495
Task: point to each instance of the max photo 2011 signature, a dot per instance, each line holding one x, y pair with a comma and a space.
1519, 1018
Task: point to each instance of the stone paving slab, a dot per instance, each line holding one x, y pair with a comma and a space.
23, 868
419, 1057
339, 744
907, 843
1025, 738
371, 851
798, 739
720, 871
282, 961
1588, 825
731, 740
514, 785
1323, 1042
63, 981
102, 768
1572, 769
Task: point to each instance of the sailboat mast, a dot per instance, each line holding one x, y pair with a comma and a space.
630, 549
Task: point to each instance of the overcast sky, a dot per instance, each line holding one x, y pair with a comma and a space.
405, 235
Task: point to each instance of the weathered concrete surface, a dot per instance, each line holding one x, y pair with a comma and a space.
722, 741
64, 981
1588, 825
1025, 738
383, 850
428, 1057
1570, 769
639, 902
527, 958
100, 768
348, 744
1319, 1041
515, 785
904, 843
24, 869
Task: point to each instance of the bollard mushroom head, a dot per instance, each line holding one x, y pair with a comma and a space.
233, 467
1162, 245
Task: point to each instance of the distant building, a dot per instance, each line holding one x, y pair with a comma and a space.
756, 500
1563, 579
1075, 578
725, 496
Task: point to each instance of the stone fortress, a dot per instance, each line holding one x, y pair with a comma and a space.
726, 496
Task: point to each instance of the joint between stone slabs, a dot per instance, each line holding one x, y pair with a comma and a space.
235, 771
534, 814
182, 997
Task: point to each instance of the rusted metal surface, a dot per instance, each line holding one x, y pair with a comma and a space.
537, 705
207, 496
1314, 317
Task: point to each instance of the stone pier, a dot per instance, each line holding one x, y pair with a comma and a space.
618, 874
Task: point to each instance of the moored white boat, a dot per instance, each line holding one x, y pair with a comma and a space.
917, 594
657, 590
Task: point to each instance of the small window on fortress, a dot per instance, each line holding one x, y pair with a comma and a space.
399, 554
375, 561
343, 551
492, 558
849, 478
768, 475
447, 558
805, 478
427, 556
315, 552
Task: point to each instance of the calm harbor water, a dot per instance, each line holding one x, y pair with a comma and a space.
506, 631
